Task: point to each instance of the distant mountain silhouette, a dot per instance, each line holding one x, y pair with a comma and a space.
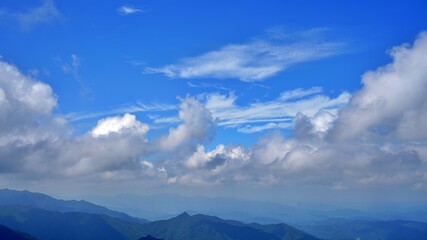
164, 206
149, 237
45, 202
341, 229
204, 227
9, 234
47, 218
48, 225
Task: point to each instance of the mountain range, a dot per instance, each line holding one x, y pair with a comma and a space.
27, 215
42, 201
163, 206
204, 227
9, 234
368, 229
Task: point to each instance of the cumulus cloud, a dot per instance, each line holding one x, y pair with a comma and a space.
313, 127
25, 107
119, 125
35, 143
253, 61
197, 126
45, 13
215, 158
392, 102
363, 145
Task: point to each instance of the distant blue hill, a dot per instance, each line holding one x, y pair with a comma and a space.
163, 206
9, 234
345, 229
202, 227
45, 202
149, 237
49, 225
47, 218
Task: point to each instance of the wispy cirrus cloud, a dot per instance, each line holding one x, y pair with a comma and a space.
73, 67
129, 108
45, 13
253, 61
206, 85
276, 113
128, 10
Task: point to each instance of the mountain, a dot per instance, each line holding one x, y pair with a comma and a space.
49, 225
344, 229
9, 234
164, 206
205, 227
45, 202
149, 237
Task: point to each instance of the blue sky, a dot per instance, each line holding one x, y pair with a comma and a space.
187, 94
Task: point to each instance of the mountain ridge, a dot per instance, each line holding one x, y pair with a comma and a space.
46, 202
199, 226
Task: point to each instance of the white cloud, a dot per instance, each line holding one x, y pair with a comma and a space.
128, 10
216, 157
274, 114
364, 145
313, 127
253, 61
299, 93
205, 85
72, 68
119, 125
267, 126
35, 143
166, 120
278, 113
197, 126
45, 13
392, 102
129, 108
324, 148
25, 107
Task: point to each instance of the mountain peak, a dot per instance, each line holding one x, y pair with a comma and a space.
184, 215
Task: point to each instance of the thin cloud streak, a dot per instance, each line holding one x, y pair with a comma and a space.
249, 62
45, 13
135, 108
128, 10
282, 109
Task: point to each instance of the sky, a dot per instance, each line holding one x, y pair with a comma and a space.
269, 100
